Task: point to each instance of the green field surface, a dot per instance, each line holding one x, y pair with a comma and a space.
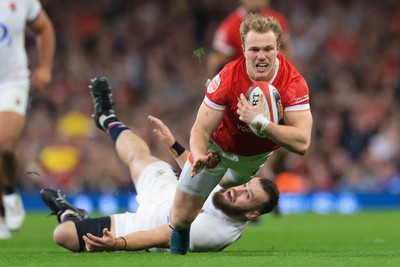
363, 239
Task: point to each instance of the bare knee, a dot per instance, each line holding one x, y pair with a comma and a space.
65, 235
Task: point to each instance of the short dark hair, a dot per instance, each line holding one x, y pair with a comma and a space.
272, 191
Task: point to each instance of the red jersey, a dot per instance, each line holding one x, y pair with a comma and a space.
222, 93
227, 37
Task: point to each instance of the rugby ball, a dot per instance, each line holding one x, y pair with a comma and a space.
273, 107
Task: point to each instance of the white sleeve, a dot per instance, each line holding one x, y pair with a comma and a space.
33, 10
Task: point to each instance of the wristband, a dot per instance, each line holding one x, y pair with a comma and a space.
116, 245
260, 123
125, 242
176, 149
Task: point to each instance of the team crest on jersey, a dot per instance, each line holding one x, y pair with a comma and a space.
13, 6
214, 84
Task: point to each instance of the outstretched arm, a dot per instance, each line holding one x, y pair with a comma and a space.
141, 240
165, 136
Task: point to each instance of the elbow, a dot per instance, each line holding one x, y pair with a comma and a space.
302, 152
302, 149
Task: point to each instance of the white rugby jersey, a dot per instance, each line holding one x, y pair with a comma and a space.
14, 15
212, 230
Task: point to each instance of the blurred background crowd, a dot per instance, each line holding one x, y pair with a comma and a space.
348, 51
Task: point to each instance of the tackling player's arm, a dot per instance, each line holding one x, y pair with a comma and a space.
155, 238
179, 153
165, 136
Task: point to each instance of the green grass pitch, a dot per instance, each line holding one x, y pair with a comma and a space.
364, 239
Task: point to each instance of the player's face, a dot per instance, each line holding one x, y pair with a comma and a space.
240, 199
260, 50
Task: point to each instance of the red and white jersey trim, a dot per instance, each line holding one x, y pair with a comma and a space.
212, 105
298, 107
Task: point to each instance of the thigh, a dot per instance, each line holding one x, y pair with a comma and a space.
14, 97
94, 226
11, 125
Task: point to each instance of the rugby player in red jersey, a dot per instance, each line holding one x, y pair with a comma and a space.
221, 140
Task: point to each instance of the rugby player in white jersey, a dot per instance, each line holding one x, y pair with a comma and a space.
221, 222
15, 82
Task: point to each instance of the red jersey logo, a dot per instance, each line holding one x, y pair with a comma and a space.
13, 6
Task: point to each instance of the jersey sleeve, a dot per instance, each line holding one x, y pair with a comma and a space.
297, 95
221, 42
33, 10
217, 93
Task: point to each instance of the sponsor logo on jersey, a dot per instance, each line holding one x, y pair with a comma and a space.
301, 99
4, 36
159, 173
214, 84
13, 6
243, 128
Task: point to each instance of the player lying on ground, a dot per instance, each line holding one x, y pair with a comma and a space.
222, 220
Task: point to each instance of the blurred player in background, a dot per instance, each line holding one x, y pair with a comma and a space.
227, 44
221, 222
15, 82
221, 140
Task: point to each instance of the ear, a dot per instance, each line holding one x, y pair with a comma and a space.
252, 215
243, 48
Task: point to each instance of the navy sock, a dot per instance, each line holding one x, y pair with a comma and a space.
68, 215
180, 240
114, 127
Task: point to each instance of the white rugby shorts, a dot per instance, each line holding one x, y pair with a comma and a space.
239, 169
155, 193
14, 96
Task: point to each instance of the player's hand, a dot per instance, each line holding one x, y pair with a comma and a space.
201, 162
162, 131
95, 244
40, 78
248, 112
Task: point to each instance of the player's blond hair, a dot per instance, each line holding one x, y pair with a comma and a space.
260, 24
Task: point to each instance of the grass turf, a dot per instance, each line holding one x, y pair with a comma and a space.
364, 239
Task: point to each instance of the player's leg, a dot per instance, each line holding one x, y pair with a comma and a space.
69, 234
190, 196
131, 148
11, 125
65, 234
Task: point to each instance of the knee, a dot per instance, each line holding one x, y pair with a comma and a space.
60, 234
65, 235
